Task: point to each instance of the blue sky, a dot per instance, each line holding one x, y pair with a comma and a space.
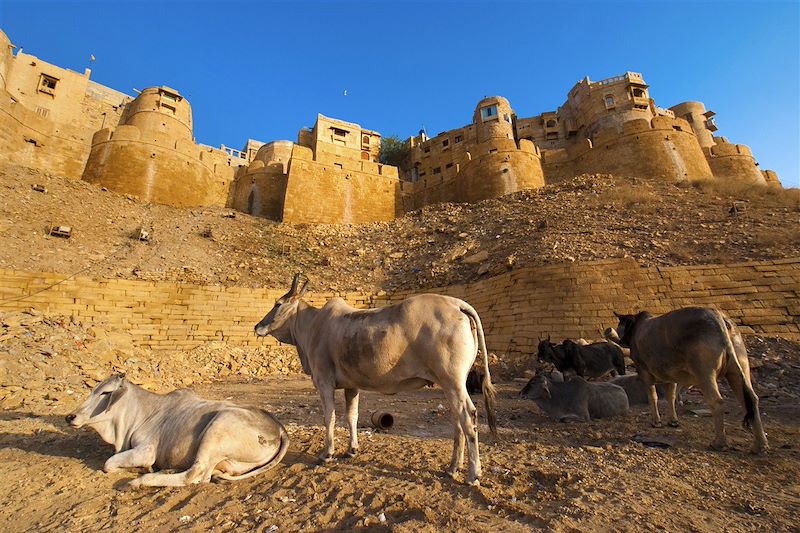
263, 70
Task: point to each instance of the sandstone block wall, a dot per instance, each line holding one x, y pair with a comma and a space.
162, 316
565, 301
662, 148
357, 191
579, 299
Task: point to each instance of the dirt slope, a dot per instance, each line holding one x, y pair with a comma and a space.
589, 217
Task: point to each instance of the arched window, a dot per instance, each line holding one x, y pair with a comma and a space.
365, 139
551, 123
365, 156
609, 100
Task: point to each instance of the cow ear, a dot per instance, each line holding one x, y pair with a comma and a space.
116, 395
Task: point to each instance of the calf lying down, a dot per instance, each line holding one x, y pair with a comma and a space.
180, 431
576, 399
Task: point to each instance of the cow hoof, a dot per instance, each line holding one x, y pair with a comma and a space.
325, 458
473, 483
657, 425
674, 423
759, 449
451, 472
349, 454
718, 447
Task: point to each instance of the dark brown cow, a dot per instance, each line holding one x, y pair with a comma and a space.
693, 346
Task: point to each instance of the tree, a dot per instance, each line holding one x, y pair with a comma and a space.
393, 151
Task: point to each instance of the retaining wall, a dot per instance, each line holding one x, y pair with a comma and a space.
517, 308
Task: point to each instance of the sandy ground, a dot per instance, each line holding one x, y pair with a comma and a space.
541, 475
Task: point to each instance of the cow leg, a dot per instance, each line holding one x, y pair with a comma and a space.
714, 401
672, 416
199, 472
461, 404
326, 394
139, 457
652, 399
351, 404
738, 386
458, 443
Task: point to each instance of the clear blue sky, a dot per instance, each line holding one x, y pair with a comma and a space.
264, 69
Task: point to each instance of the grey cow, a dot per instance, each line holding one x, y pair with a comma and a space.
180, 431
693, 346
576, 399
422, 340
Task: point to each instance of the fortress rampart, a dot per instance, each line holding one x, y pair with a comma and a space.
59, 121
152, 155
660, 148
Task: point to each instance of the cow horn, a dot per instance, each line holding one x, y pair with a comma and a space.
303, 287
294, 284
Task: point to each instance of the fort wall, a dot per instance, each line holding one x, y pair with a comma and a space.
357, 191
733, 162
152, 155
48, 114
565, 301
260, 188
661, 148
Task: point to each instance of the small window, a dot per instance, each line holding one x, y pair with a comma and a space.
42, 112
170, 97
507, 118
427, 149
445, 143
421, 174
339, 132
551, 123
488, 112
493, 150
458, 139
638, 93
168, 108
338, 165
449, 165
437, 170
47, 84
365, 156
609, 101
365, 140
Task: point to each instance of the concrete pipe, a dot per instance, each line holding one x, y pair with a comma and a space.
382, 420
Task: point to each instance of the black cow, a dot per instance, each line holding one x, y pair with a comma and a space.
589, 361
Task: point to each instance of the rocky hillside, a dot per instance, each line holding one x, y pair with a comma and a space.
588, 217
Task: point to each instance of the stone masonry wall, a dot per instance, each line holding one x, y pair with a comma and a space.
566, 300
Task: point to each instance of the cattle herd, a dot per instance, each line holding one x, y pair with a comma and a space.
423, 340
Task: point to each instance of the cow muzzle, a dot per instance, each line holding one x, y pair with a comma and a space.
72, 420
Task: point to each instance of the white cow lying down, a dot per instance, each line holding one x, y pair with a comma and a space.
180, 431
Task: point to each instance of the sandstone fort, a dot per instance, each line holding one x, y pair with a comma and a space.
59, 121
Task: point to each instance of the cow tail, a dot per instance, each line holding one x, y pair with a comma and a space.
267, 466
749, 395
487, 389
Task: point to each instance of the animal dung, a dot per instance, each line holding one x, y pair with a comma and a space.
382, 420
39, 188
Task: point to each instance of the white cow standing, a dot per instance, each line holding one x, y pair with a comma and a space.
422, 340
201, 438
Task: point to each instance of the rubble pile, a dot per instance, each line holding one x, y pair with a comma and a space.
53, 360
